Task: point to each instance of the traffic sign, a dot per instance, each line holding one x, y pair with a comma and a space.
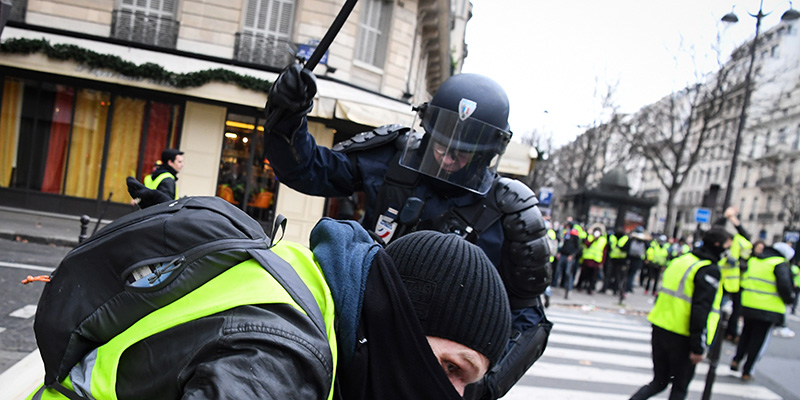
702, 215
545, 195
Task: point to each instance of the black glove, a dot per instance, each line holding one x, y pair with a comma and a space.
292, 93
147, 197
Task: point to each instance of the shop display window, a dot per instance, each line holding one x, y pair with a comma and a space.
245, 177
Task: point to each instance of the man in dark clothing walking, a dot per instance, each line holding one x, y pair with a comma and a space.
566, 258
685, 316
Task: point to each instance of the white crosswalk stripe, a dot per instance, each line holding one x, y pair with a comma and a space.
607, 357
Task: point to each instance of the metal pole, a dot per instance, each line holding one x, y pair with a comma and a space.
713, 355
743, 116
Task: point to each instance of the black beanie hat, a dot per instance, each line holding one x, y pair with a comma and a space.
456, 291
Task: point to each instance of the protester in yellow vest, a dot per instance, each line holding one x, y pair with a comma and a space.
685, 316
594, 257
165, 176
766, 288
655, 261
796, 273
617, 259
264, 327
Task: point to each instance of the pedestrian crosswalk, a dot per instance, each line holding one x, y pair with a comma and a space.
606, 356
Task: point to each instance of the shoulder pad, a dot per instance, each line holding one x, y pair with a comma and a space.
371, 139
512, 195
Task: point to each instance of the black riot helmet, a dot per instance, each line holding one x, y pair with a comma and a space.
465, 133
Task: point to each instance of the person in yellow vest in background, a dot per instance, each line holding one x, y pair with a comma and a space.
552, 243
796, 274
616, 263
685, 316
655, 261
766, 289
731, 267
165, 176
594, 256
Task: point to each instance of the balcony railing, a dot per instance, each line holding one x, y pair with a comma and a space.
18, 8
766, 216
768, 182
146, 28
265, 49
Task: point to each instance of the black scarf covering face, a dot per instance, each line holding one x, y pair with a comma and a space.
392, 357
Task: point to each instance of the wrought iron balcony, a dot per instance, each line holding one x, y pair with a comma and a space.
768, 183
142, 27
766, 216
265, 49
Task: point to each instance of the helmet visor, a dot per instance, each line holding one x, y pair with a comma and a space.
464, 153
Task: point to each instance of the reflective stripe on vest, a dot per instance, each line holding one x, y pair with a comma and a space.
151, 183
673, 307
595, 250
759, 286
246, 283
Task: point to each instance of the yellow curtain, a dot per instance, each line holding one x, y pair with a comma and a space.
123, 147
86, 147
9, 128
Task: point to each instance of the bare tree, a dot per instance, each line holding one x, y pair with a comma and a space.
584, 160
672, 133
542, 166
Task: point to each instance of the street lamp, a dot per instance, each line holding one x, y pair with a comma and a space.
789, 15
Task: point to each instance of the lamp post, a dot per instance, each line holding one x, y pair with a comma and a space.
789, 15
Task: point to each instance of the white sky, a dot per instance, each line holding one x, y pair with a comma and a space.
551, 55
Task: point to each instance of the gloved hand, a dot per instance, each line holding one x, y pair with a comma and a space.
148, 197
292, 93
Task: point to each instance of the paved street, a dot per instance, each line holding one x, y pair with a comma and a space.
598, 349
600, 354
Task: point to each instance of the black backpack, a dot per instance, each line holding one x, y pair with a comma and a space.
135, 265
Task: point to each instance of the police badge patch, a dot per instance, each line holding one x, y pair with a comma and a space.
386, 225
465, 108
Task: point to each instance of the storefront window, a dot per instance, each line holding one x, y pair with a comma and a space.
245, 178
79, 142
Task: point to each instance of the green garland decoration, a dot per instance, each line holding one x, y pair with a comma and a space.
151, 71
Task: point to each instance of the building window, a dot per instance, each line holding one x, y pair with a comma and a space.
18, 8
146, 21
80, 142
266, 33
774, 51
373, 32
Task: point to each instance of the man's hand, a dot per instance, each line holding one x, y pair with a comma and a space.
293, 92
148, 197
695, 358
732, 214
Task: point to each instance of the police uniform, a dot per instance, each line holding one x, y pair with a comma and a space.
405, 191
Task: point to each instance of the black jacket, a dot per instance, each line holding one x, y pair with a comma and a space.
706, 284
274, 352
167, 185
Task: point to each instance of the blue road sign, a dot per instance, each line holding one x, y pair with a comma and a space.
702, 215
545, 196
304, 51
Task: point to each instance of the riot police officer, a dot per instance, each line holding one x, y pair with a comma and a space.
438, 174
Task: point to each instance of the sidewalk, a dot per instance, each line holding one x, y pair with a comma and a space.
42, 227
635, 303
